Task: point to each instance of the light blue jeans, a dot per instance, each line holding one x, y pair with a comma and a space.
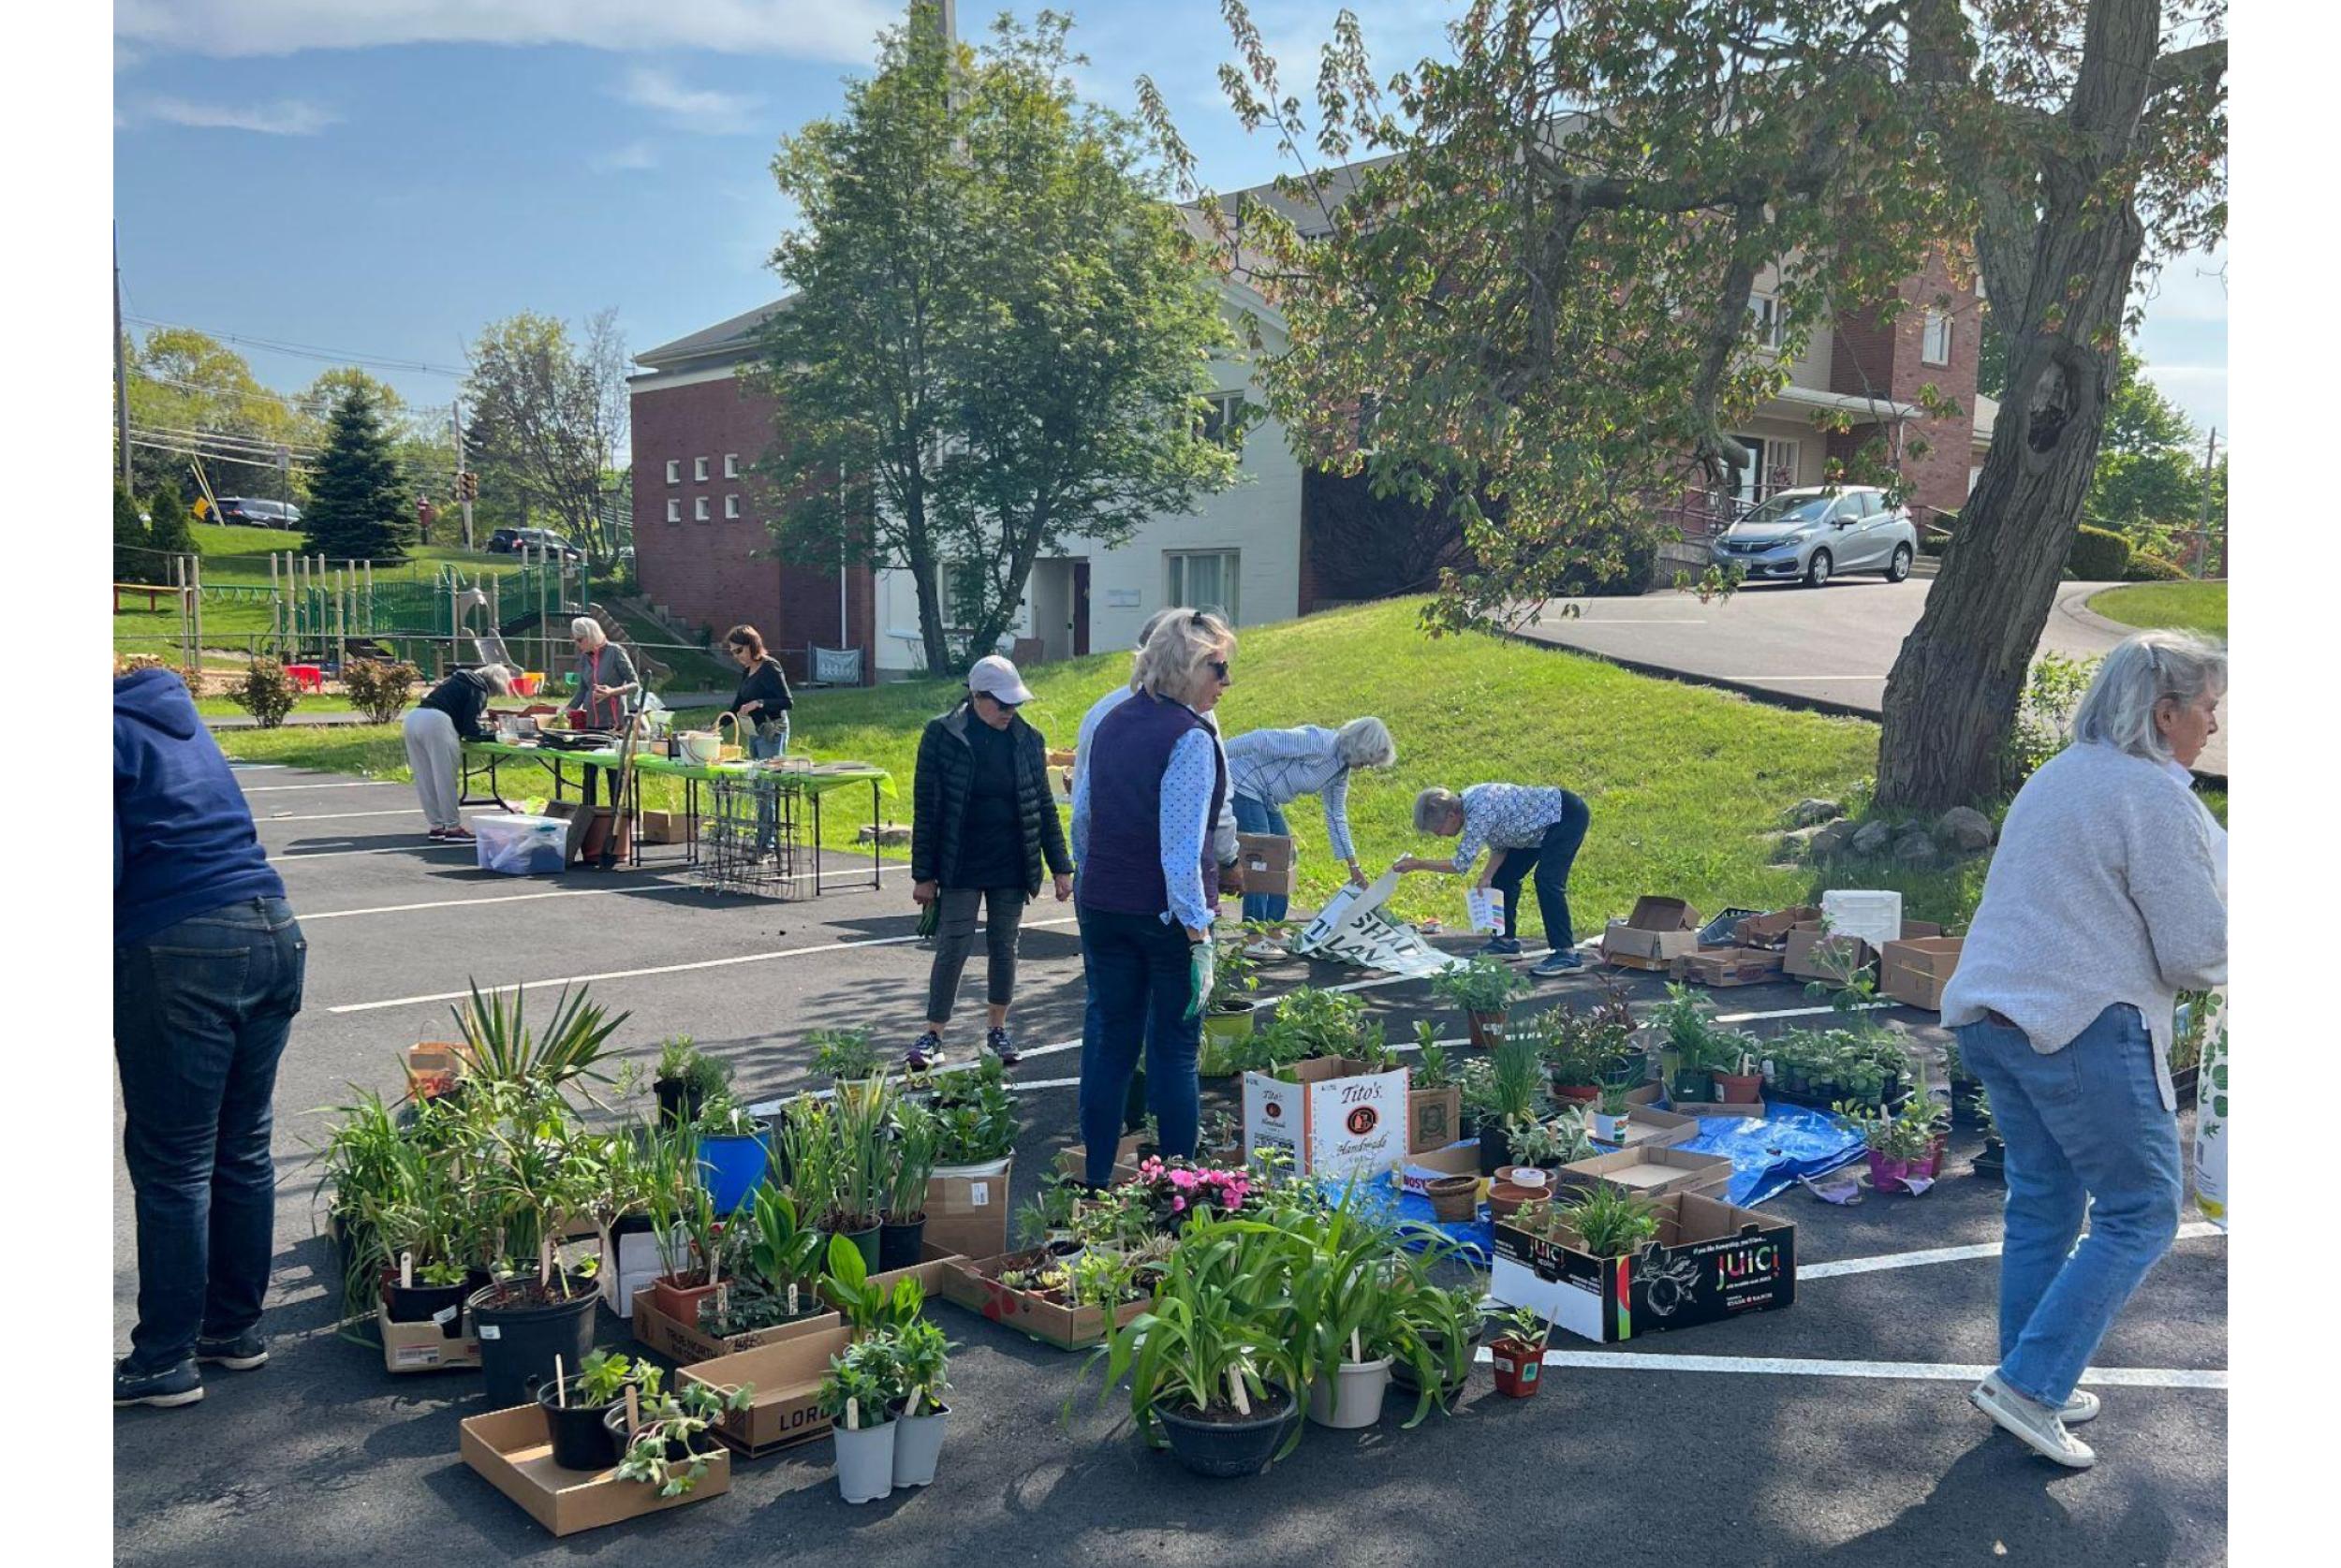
2087, 1137
767, 803
1257, 816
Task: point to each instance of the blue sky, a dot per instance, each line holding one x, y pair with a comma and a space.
387, 177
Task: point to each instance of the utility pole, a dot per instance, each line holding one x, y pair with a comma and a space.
122, 373
455, 423
2202, 502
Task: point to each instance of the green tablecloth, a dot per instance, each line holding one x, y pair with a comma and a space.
803, 782
539, 754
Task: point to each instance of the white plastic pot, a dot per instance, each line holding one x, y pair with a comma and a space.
918, 1445
1353, 1397
1609, 1129
987, 1167
865, 1461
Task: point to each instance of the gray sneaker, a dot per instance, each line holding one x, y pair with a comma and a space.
1561, 960
2081, 1406
2041, 1429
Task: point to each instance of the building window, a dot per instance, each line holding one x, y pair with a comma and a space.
674, 510
731, 505
1205, 579
675, 471
1223, 420
699, 468
1763, 316
1935, 346
731, 465
699, 509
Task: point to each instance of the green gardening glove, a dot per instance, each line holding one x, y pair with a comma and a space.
1202, 963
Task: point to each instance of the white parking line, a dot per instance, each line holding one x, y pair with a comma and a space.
457, 904
337, 783
1799, 678
337, 817
657, 969
2187, 1232
423, 845
1928, 1372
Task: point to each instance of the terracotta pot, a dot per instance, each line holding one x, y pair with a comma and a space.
1525, 1176
1741, 1089
1453, 1198
680, 1301
1487, 1029
1505, 1198
1518, 1367
1582, 1093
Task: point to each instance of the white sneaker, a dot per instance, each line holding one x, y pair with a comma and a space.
2081, 1406
1264, 951
2041, 1429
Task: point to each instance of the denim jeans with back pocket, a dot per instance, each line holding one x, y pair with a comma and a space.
201, 1013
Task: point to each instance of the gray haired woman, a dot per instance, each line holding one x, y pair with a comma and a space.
1270, 769
605, 678
2105, 899
435, 728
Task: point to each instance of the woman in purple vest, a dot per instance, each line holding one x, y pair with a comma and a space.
1148, 886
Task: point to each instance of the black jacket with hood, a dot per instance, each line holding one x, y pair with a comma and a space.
946, 768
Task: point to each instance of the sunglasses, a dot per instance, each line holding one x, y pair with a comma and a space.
1219, 668
1003, 706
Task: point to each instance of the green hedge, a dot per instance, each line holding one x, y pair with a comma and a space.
1933, 543
2153, 568
2097, 555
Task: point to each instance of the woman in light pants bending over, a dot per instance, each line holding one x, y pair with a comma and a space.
2102, 904
436, 730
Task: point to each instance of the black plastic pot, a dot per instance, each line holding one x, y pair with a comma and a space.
519, 1344
1992, 1163
422, 1303
1401, 1374
900, 1246
1231, 1448
2184, 1082
582, 1439
1494, 1148
1693, 1084
678, 1102
1964, 1113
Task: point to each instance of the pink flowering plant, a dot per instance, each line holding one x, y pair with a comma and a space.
1175, 1191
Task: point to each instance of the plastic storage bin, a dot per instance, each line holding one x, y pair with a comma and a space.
1876, 917
521, 845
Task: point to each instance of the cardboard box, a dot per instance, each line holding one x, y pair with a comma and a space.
1418, 1172
1709, 1261
513, 1450
1728, 966
1074, 1161
1772, 931
968, 1214
665, 828
426, 1347
1812, 953
1915, 970
1338, 1121
1652, 1170
1657, 932
1267, 863
1647, 1126
433, 1068
975, 1284
785, 1379
1433, 1118
688, 1342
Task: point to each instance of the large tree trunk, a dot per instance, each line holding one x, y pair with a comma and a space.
2059, 261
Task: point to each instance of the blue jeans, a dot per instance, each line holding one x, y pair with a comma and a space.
768, 800
1257, 816
2086, 1136
202, 1011
1135, 966
1550, 861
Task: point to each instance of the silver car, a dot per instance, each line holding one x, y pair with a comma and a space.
1818, 533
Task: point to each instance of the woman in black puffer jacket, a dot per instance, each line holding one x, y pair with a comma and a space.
982, 821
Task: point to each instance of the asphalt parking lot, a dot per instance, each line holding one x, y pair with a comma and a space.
1835, 1430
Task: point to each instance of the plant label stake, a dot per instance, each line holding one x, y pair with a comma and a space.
544, 1263
1357, 1350
1235, 1388
406, 1270
633, 1411
917, 1396
853, 1413
792, 1299
560, 1383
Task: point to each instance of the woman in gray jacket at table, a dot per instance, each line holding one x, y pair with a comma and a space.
2104, 901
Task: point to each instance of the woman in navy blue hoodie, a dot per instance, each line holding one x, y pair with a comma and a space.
208, 969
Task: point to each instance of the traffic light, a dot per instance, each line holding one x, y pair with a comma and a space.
466, 485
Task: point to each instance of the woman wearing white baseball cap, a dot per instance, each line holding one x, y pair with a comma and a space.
982, 821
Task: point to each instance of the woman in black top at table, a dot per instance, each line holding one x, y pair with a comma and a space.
983, 822
761, 705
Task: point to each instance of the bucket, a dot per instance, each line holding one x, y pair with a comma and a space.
900, 1246
1353, 1397
528, 682
865, 1461
732, 1166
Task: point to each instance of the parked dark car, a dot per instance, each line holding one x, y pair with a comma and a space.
508, 541
249, 512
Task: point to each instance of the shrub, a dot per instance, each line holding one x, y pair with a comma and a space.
1935, 539
2097, 555
377, 687
1620, 559
2044, 717
266, 693
2153, 568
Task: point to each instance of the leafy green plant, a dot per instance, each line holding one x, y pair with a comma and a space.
1235, 974
1609, 1220
682, 1063
678, 1421
603, 1377
1513, 1089
1306, 1022
862, 1383
1049, 1212
845, 1053
2053, 691
869, 1309
975, 1116
267, 693
723, 1117
1617, 1098
916, 1138
378, 688
1522, 1325
922, 1362
809, 1154
1908, 1134
858, 1121
502, 1048
1483, 986
1432, 1067
783, 1251
1555, 1141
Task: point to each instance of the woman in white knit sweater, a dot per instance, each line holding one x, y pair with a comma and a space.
2105, 899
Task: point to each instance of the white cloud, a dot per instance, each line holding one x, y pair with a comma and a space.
633, 155
691, 109
840, 30
2189, 287
286, 117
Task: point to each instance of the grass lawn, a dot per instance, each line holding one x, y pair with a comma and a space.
2194, 606
1685, 783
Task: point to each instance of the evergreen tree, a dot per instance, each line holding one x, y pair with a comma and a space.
358, 509
133, 559
169, 529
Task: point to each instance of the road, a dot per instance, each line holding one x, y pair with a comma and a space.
1838, 1432
1833, 646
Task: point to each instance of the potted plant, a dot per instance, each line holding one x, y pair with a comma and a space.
1682, 1023
1446, 1322
1900, 1143
1517, 1351
685, 1080
976, 1120
575, 1406
858, 1121
735, 1150
901, 1230
1307, 1022
536, 1181
1229, 1012
666, 1443
1483, 988
843, 1054
859, 1393
1571, 1056
1046, 1220
870, 1309
1992, 1161
693, 1251
1736, 1075
1504, 1091
1613, 1109
922, 1360
779, 1269
1607, 1222
1343, 1294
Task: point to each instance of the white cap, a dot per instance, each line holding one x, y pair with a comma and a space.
996, 678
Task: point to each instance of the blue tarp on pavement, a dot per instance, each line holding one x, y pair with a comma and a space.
1768, 1156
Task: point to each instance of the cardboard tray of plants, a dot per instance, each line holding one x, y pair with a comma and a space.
512, 1449
784, 1379
1710, 1260
1044, 1315
688, 1342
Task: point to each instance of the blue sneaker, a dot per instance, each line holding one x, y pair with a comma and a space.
1000, 1043
1561, 960
924, 1052
1499, 947
181, 1384
238, 1352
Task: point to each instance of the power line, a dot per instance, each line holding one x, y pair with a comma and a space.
331, 356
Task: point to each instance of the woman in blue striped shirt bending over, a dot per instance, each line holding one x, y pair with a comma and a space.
1270, 769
